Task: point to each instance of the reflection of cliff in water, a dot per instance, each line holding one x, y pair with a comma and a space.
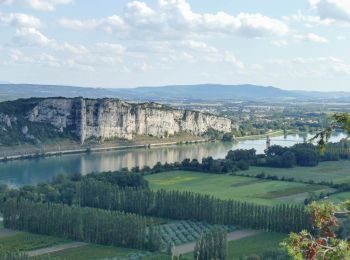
23, 172
101, 162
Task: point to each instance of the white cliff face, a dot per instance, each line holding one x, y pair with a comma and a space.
111, 118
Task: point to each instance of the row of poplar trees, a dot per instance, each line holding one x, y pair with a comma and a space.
212, 245
82, 224
188, 205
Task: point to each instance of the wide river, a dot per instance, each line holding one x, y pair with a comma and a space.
32, 171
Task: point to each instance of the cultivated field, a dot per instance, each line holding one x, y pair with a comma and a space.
339, 197
234, 187
182, 232
23, 242
251, 245
338, 172
92, 252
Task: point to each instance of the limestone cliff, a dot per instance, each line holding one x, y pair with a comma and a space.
112, 118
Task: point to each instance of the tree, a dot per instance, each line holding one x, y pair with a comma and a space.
212, 245
288, 159
228, 137
322, 243
338, 121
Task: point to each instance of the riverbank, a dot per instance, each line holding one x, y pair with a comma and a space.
270, 134
138, 143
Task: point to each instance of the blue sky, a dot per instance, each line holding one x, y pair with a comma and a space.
292, 44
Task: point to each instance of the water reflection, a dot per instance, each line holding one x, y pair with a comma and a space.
19, 173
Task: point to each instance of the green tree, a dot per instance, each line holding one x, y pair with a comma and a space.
322, 243
212, 245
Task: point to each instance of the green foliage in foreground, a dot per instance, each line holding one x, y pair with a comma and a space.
321, 242
82, 224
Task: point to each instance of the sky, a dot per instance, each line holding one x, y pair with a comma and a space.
291, 44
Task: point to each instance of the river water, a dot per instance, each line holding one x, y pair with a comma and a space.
33, 171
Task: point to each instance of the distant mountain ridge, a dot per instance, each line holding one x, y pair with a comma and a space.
171, 92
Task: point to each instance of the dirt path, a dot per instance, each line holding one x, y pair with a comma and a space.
54, 249
4, 232
187, 248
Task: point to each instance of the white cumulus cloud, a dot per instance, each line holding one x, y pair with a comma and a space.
311, 37
332, 9
31, 37
176, 18
19, 20
42, 5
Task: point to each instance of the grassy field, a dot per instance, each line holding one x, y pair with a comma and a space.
95, 252
338, 172
339, 197
27, 242
251, 245
254, 245
234, 187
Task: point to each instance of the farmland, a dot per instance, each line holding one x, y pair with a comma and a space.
26, 242
252, 245
264, 192
337, 172
339, 197
92, 252
182, 232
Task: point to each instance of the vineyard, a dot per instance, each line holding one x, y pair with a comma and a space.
182, 232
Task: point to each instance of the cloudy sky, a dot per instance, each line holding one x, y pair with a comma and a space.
292, 44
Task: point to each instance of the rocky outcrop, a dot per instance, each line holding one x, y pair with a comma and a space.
112, 118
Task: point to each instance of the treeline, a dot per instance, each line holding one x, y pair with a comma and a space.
188, 205
82, 224
91, 192
305, 154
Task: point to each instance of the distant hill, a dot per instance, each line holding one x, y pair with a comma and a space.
175, 92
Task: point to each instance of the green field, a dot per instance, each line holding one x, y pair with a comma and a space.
339, 197
96, 252
254, 245
338, 172
251, 245
27, 242
234, 187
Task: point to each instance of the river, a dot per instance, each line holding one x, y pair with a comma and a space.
32, 171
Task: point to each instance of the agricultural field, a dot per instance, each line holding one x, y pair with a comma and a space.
251, 245
255, 244
92, 252
26, 242
338, 172
182, 232
339, 197
254, 190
